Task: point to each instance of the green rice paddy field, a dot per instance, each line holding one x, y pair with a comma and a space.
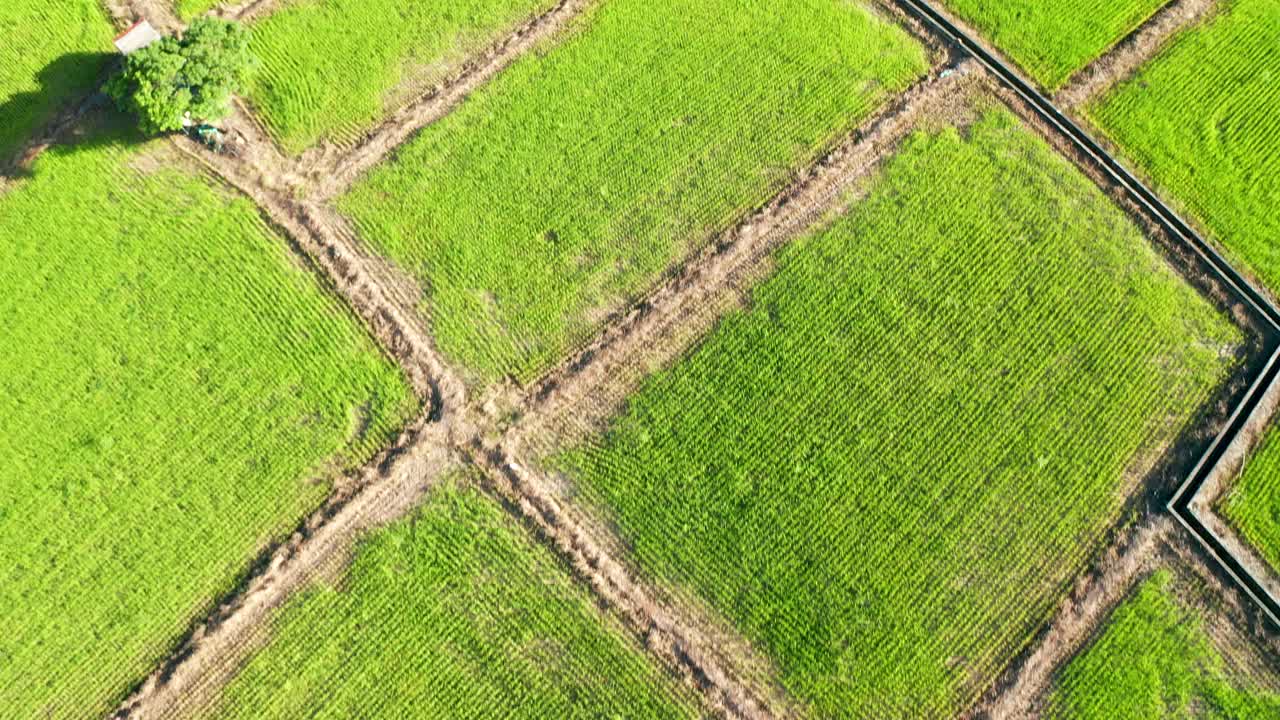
1200, 121
1052, 39
332, 69
52, 52
453, 613
1155, 660
175, 392
888, 468
1253, 503
569, 183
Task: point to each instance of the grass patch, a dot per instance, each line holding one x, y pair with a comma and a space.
1154, 659
1052, 39
575, 178
331, 70
175, 393
890, 467
452, 613
1253, 504
50, 54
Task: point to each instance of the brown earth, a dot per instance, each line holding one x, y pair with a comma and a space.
1157, 543
1077, 619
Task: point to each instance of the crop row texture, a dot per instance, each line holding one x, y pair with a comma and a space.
1051, 39
452, 613
331, 70
888, 469
1155, 658
175, 391
1200, 120
561, 190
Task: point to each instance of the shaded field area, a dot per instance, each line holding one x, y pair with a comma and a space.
454, 613
1253, 503
1157, 657
889, 468
566, 186
52, 53
330, 70
1051, 39
176, 392
1200, 121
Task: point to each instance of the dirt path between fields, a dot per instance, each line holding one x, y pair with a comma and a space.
387, 488
576, 397
247, 11
1159, 542
397, 327
738, 680
332, 170
158, 12
664, 631
1121, 61
1080, 615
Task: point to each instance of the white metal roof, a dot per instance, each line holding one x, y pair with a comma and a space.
136, 37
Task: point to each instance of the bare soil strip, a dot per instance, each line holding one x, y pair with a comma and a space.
385, 489
1156, 543
585, 390
662, 629
325, 245
247, 11
158, 12
333, 171
1123, 60
1077, 620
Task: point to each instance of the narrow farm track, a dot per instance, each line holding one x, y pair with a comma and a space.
1131, 53
395, 326
387, 488
247, 11
158, 12
1156, 543
588, 387
1081, 614
333, 171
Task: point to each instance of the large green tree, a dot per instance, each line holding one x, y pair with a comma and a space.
195, 73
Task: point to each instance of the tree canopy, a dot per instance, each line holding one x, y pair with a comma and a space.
195, 73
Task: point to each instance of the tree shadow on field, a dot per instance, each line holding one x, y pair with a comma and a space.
69, 110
